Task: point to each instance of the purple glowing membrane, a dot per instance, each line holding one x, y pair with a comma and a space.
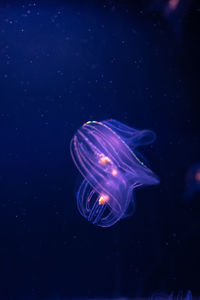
111, 170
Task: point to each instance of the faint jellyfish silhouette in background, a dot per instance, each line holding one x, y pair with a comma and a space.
172, 296
173, 11
192, 183
111, 170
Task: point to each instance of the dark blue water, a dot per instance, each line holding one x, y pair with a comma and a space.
63, 63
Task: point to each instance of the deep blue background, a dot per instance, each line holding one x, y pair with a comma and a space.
62, 64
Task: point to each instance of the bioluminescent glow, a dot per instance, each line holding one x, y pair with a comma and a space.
192, 181
111, 170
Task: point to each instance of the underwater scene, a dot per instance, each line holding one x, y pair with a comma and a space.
100, 149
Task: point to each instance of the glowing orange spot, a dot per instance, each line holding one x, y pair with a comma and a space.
173, 4
114, 172
103, 199
197, 176
104, 160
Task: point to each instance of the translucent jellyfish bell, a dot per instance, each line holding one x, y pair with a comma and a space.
111, 170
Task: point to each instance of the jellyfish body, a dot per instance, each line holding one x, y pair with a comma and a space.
192, 182
111, 170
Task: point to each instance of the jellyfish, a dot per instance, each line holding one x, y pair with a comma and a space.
192, 183
172, 296
105, 155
